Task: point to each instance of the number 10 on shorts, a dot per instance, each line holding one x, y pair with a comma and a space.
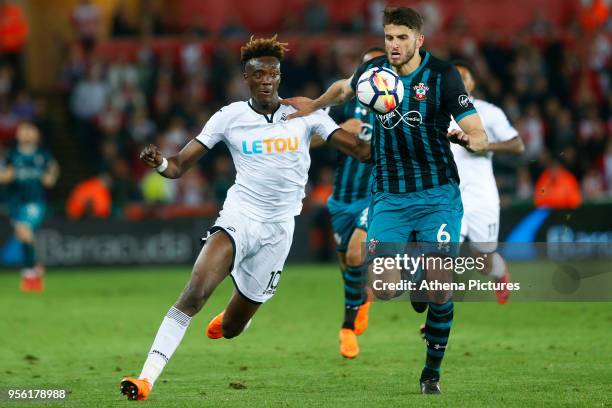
273, 282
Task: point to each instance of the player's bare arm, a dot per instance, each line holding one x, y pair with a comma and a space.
349, 143
472, 135
339, 92
7, 175
512, 146
51, 175
176, 165
352, 125
316, 142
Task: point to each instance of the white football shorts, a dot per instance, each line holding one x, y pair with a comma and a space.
480, 224
260, 251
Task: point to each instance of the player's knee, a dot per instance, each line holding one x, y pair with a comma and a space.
384, 294
24, 233
353, 257
440, 297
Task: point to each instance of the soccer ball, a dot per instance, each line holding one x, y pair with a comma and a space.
380, 89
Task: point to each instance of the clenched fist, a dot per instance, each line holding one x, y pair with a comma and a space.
151, 156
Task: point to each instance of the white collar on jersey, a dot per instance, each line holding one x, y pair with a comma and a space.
269, 118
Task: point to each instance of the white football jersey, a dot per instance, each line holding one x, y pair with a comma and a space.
476, 170
271, 156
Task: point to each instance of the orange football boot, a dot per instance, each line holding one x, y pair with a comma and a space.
135, 388
32, 284
214, 330
361, 320
349, 348
503, 294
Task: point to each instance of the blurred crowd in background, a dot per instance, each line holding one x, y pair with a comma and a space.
552, 81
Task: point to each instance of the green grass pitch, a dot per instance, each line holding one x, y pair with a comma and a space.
91, 327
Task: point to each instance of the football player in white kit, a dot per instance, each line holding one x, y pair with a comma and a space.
480, 223
251, 238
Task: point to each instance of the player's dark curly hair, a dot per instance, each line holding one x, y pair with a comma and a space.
262, 47
468, 66
403, 16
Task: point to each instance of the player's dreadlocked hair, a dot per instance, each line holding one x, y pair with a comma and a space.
262, 47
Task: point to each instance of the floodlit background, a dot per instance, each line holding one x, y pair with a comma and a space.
103, 78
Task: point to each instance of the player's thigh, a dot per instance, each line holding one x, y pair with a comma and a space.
27, 219
389, 228
342, 220
214, 263
438, 236
389, 219
439, 220
438, 240
257, 276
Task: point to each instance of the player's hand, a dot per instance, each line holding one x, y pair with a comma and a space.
459, 137
305, 106
353, 126
151, 156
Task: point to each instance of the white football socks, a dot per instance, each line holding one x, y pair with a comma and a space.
28, 273
498, 266
166, 341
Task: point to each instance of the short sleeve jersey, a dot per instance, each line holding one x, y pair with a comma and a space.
410, 147
271, 156
29, 168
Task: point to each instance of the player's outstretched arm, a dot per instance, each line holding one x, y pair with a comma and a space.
352, 126
51, 175
351, 144
316, 142
339, 92
472, 135
7, 175
512, 146
175, 166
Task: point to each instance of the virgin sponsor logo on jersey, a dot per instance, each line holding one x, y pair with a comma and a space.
464, 100
420, 91
390, 120
270, 146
